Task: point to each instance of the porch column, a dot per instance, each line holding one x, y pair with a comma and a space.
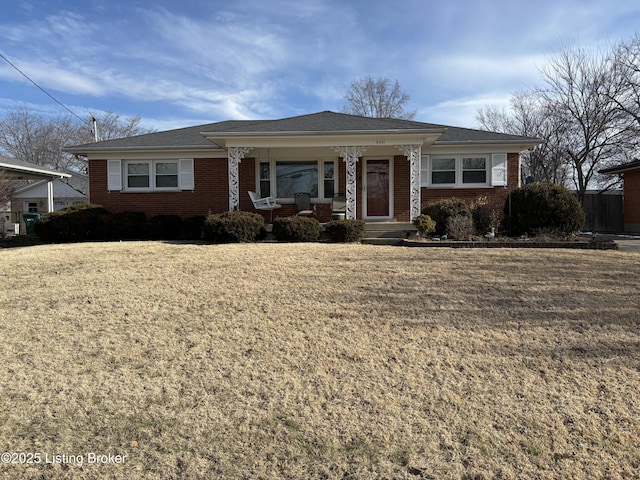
50, 206
236, 154
351, 155
413, 154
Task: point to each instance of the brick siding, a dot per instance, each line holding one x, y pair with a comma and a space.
212, 190
632, 201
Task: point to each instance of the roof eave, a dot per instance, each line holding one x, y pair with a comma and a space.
32, 171
159, 148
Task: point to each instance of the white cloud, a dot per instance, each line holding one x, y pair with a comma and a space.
461, 112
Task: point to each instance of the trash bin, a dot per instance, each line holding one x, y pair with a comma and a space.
30, 220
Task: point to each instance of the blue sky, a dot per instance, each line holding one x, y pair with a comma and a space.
180, 63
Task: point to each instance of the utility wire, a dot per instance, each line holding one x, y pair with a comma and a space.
43, 90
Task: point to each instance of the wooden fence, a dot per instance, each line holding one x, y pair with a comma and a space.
604, 212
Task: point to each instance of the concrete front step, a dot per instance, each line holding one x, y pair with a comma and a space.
389, 230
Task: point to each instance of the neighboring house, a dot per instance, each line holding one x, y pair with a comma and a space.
389, 169
16, 171
631, 193
32, 198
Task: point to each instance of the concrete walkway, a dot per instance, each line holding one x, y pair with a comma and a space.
628, 244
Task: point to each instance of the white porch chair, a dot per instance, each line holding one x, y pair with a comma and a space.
266, 203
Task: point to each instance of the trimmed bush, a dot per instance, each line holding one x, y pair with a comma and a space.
346, 230
77, 223
296, 229
233, 227
124, 226
164, 227
425, 224
460, 227
441, 210
543, 207
192, 227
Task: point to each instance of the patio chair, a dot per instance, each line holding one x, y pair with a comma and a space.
266, 203
303, 205
339, 206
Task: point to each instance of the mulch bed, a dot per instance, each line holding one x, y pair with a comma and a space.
511, 243
20, 241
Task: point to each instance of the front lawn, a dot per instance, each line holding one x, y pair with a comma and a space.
319, 361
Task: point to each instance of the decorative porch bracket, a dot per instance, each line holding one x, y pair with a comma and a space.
236, 154
413, 154
350, 156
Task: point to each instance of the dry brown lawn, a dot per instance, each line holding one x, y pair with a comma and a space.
319, 361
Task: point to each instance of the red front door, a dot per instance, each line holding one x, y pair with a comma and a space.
378, 183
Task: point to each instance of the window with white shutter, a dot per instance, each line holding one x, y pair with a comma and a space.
114, 175
499, 169
187, 179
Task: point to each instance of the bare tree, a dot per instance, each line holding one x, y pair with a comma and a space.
527, 117
111, 125
378, 98
6, 188
36, 139
40, 140
578, 96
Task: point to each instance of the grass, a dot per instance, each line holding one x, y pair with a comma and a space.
320, 361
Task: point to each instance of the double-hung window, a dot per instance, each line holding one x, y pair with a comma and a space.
150, 175
474, 169
443, 171
458, 170
283, 178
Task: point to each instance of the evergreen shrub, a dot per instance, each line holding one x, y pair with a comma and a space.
543, 207
164, 227
346, 230
296, 229
234, 227
77, 223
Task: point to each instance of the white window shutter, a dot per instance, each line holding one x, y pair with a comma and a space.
185, 169
114, 175
424, 170
499, 169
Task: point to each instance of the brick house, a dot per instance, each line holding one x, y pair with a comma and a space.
631, 193
388, 169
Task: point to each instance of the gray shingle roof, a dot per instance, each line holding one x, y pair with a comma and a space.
622, 168
15, 165
322, 122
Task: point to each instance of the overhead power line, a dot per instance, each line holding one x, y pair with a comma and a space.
43, 90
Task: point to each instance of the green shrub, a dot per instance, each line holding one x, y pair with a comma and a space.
346, 230
192, 227
425, 224
441, 210
124, 226
164, 227
543, 207
460, 227
77, 223
296, 229
231, 227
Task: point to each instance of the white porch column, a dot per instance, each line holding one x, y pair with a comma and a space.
50, 206
413, 154
350, 156
236, 154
